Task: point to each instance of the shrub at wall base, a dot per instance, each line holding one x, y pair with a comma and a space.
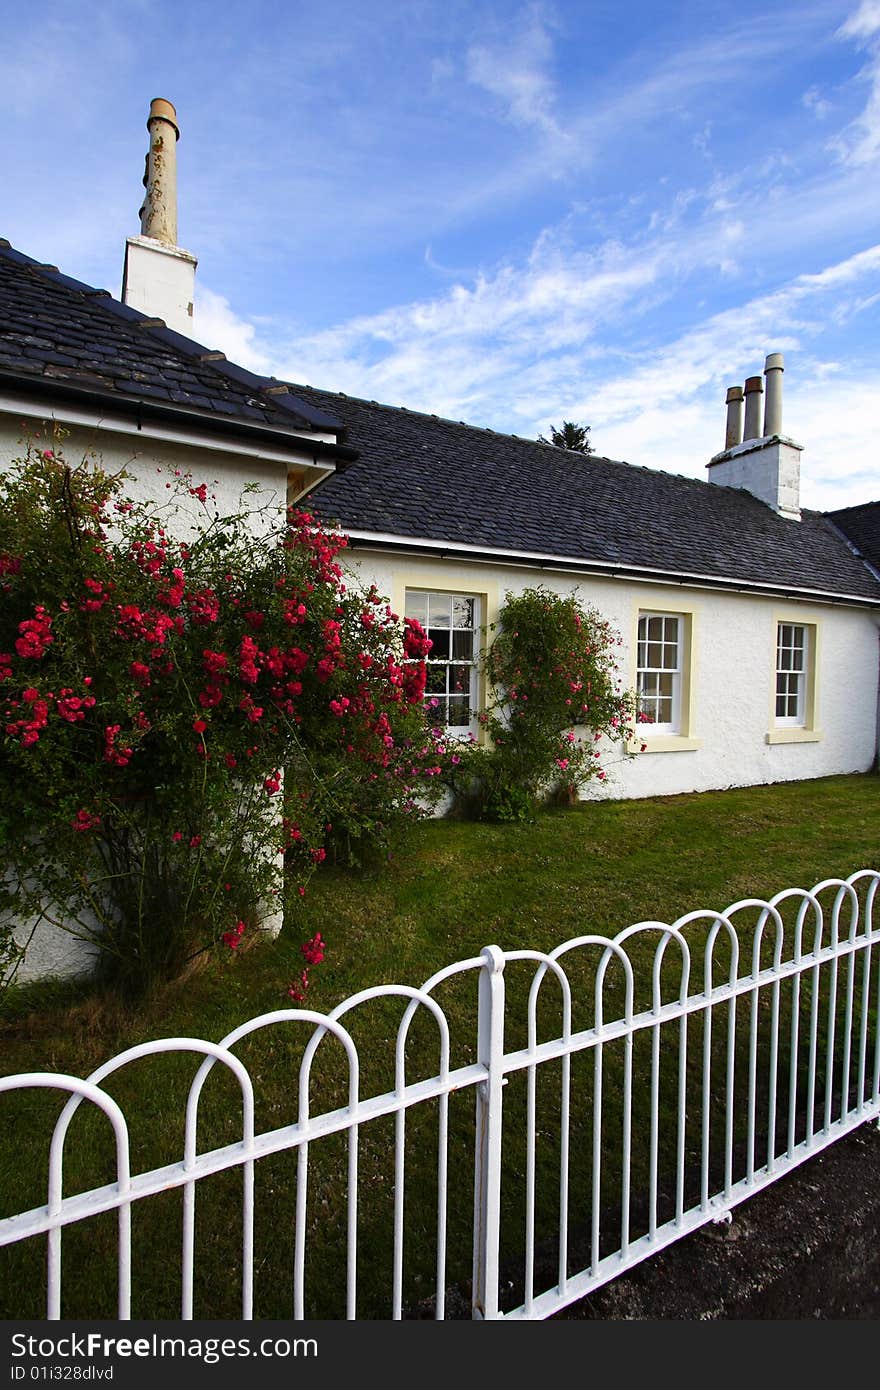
189, 702
557, 703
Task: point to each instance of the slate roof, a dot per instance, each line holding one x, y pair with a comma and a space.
60, 333
861, 525
421, 476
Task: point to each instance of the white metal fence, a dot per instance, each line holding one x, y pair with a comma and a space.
662, 1077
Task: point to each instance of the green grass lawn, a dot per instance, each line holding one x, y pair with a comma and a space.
448, 890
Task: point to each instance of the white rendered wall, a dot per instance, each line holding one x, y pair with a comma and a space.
732, 670
152, 462
52, 951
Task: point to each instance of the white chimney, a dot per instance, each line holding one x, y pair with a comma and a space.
773, 369
766, 464
159, 276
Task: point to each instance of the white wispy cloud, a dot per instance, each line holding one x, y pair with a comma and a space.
832, 417
813, 100
217, 326
859, 144
532, 344
863, 23
516, 69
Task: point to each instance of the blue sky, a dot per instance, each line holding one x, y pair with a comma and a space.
511, 214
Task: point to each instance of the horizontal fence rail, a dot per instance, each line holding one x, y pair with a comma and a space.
619, 1094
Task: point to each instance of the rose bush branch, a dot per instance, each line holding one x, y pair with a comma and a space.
190, 702
556, 704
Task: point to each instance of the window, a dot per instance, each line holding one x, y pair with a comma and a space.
451, 622
793, 693
659, 672
792, 656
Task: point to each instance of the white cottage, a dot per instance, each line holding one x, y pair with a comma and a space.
750, 625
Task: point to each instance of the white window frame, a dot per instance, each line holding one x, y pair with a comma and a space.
471, 728
672, 726
793, 658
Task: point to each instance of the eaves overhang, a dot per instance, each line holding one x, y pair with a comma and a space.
600, 569
111, 407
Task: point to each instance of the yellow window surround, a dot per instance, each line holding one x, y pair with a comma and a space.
684, 739
438, 577
808, 731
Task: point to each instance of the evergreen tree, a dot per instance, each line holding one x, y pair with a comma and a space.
570, 436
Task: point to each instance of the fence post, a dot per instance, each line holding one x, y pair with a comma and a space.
487, 1152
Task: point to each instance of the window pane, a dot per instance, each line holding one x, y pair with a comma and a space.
440, 606
462, 646
437, 711
459, 716
643, 630
440, 637
655, 654
664, 708
417, 606
665, 687
670, 656
462, 611
655, 629
460, 681
436, 682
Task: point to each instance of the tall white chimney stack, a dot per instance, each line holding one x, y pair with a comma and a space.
159, 276
774, 366
757, 456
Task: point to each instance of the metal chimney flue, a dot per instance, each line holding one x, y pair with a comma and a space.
774, 366
754, 391
158, 213
734, 433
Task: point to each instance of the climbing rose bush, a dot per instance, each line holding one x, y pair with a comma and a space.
189, 702
556, 707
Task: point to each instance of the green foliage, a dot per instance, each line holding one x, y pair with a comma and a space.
556, 697
575, 438
181, 716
